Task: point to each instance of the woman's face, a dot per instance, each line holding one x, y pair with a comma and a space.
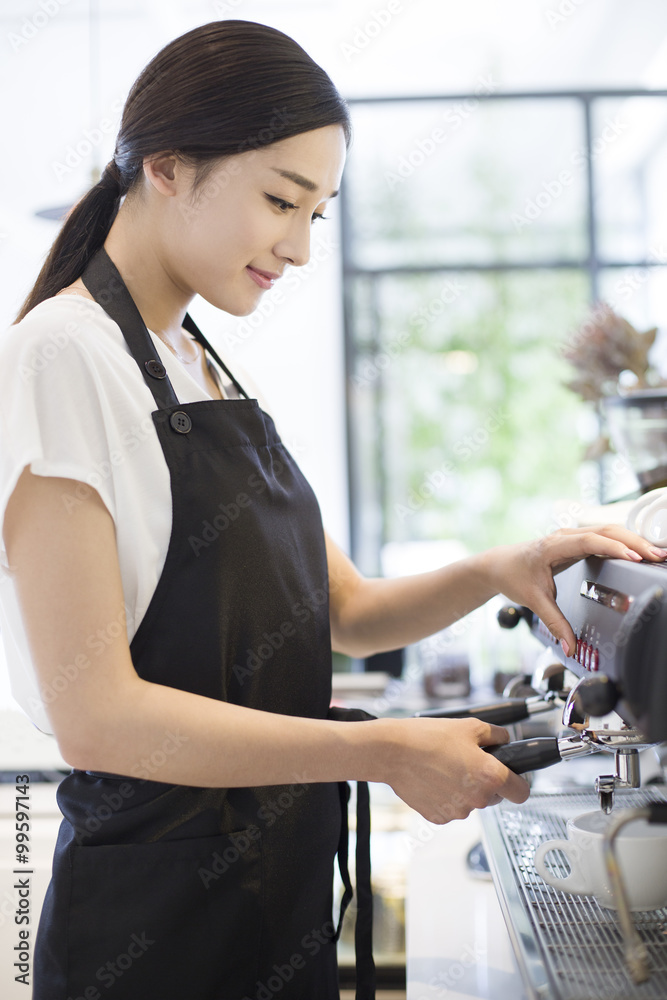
253, 213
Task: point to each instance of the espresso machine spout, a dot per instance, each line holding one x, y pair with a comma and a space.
626, 776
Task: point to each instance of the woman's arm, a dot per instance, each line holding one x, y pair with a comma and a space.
372, 615
106, 718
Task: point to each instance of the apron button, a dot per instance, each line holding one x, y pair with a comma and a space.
156, 369
180, 421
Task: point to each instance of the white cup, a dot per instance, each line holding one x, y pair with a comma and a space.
641, 850
648, 516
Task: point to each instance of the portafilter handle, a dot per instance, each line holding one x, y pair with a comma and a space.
542, 751
498, 713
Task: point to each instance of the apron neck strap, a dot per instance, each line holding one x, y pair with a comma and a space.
104, 282
190, 325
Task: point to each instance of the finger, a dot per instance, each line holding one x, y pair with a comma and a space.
618, 532
548, 611
515, 788
593, 543
489, 735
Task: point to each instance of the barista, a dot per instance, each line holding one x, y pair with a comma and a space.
231, 143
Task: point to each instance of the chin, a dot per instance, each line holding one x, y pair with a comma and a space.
238, 308
247, 311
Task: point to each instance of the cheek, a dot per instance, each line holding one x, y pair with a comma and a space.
231, 235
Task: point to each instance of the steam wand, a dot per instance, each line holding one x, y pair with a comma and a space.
636, 953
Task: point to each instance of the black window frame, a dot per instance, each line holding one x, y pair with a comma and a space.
591, 263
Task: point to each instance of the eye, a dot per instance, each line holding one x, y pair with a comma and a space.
285, 206
280, 203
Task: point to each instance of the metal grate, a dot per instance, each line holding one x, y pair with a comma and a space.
580, 941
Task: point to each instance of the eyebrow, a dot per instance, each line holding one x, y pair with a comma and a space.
303, 182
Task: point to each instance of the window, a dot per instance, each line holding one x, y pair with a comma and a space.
477, 231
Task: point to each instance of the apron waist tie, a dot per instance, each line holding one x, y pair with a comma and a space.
363, 930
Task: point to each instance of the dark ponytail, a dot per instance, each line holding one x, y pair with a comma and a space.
224, 88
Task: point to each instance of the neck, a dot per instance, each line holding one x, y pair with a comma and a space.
135, 249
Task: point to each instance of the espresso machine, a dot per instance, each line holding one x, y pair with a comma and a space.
612, 695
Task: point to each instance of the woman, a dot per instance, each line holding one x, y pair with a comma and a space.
169, 571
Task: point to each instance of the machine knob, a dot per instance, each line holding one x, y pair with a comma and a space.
511, 614
596, 696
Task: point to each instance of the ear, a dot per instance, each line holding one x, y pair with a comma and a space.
165, 173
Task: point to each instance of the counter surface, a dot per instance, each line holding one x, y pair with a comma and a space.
457, 945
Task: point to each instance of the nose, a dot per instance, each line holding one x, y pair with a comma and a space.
295, 248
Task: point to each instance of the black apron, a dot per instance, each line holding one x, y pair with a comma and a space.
172, 892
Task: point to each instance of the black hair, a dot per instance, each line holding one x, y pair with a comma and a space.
223, 88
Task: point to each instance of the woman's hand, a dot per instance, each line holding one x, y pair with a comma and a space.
437, 767
524, 573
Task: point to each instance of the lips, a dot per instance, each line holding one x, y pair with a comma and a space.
264, 279
272, 275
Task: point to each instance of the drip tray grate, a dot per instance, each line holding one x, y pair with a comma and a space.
569, 948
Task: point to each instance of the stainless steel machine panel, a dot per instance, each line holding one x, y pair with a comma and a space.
618, 611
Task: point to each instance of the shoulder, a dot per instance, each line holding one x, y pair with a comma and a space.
59, 328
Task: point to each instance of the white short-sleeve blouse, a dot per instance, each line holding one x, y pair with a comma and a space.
73, 403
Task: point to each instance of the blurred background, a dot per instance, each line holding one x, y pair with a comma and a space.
507, 172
